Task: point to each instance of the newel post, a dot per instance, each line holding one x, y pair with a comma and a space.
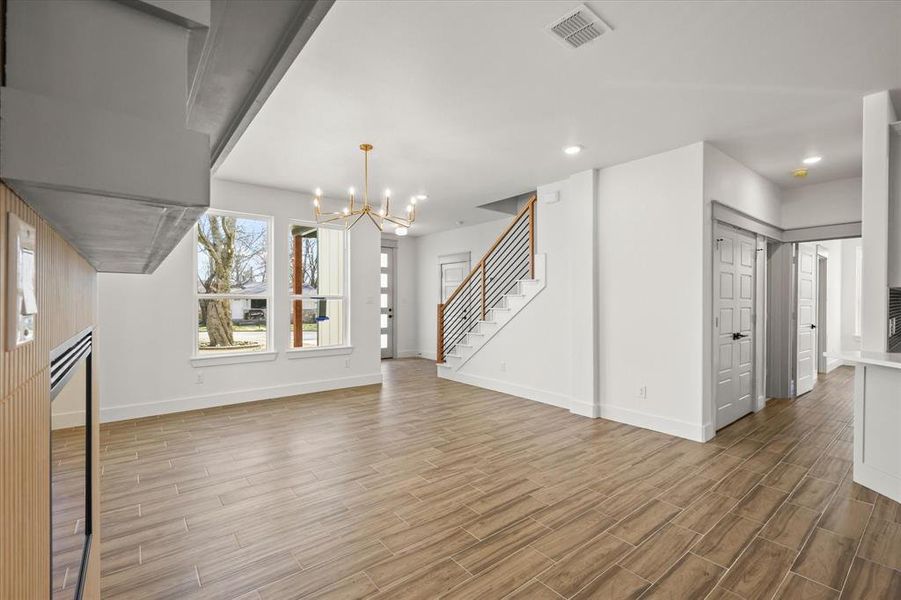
532, 238
439, 355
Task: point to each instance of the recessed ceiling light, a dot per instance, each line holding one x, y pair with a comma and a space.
800, 173
812, 160
422, 196
572, 150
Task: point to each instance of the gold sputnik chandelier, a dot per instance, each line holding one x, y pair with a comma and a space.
353, 212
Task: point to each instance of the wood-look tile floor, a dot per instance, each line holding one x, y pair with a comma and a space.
426, 488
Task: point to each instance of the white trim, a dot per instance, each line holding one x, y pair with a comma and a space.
410, 354
683, 429
584, 409
318, 352
505, 387
233, 358
162, 407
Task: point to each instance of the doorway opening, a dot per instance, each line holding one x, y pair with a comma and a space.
812, 313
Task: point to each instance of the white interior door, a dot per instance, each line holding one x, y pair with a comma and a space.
734, 274
452, 275
386, 303
806, 371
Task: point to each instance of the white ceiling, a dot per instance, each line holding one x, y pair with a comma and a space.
471, 102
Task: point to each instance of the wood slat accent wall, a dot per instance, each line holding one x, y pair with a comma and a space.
66, 289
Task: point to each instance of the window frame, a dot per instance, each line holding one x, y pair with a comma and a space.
345, 346
232, 356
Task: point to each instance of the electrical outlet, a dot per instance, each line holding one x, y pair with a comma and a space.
643, 392
199, 377
346, 363
503, 367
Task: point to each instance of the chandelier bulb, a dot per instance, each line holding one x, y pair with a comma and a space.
351, 191
387, 193
318, 192
346, 211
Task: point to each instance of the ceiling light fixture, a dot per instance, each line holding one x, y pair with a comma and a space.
812, 160
800, 173
572, 150
351, 213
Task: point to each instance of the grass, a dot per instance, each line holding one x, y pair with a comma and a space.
306, 327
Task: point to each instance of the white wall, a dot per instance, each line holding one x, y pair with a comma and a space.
826, 203
650, 281
148, 320
729, 182
850, 340
406, 315
878, 112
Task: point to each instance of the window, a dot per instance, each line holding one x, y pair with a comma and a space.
233, 288
858, 290
317, 283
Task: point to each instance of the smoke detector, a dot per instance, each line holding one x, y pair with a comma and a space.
578, 27
800, 173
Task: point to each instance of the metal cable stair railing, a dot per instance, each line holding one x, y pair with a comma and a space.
510, 259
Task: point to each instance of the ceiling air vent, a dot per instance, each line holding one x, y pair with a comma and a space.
578, 27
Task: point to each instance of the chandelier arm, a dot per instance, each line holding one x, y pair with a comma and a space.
346, 221
374, 221
331, 217
397, 221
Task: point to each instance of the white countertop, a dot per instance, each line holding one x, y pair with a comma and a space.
880, 359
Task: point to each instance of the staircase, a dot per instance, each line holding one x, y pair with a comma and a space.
502, 283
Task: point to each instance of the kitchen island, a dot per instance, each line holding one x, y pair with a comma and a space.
877, 420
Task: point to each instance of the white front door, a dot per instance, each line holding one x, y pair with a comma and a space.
386, 302
806, 372
735, 256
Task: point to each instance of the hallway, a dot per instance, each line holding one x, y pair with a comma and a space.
427, 488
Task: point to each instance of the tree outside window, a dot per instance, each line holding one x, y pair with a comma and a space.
232, 283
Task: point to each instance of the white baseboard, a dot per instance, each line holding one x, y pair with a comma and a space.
877, 480
833, 363
584, 409
409, 354
163, 407
505, 387
760, 404
65, 420
429, 354
683, 429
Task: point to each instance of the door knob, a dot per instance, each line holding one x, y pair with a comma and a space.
812, 326
738, 336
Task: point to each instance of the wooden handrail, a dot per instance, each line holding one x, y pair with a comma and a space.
481, 266
530, 208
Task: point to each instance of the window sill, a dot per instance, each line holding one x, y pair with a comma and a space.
319, 352
231, 359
